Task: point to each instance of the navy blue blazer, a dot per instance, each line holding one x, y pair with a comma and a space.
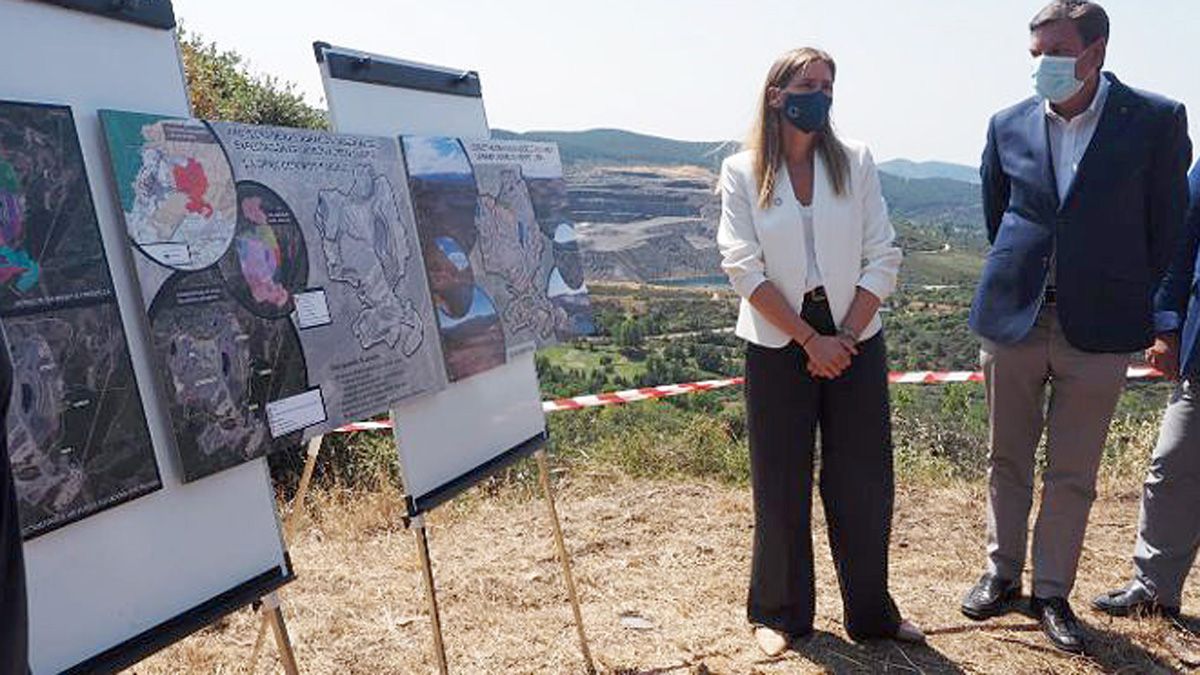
1113, 235
1178, 299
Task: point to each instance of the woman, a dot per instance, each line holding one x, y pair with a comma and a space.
806, 241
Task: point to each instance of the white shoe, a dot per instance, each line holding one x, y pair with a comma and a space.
770, 641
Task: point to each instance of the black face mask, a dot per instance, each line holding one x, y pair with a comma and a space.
808, 112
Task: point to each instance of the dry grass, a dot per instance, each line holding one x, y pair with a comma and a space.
674, 553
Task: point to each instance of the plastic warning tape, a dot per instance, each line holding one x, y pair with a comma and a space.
934, 377
667, 390
363, 426
631, 395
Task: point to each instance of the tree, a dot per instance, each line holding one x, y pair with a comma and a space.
629, 333
222, 87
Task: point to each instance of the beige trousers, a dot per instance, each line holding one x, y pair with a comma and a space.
1044, 383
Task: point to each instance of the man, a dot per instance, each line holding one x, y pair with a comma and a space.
1084, 192
14, 636
1169, 527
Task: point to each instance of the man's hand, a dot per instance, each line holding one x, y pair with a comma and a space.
1164, 355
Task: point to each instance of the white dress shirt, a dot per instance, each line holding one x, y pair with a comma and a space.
1069, 139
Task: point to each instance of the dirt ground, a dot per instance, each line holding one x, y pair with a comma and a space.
662, 570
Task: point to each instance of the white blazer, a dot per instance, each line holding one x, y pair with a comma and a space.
852, 234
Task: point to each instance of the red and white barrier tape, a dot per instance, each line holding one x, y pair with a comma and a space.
664, 391
631, 395
628, 396
933, 377
364, 426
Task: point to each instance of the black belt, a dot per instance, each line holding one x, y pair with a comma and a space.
816, 295
817, 313
1051, 295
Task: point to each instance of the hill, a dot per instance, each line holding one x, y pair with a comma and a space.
652, 223
614, 146
617, 146
647, 210
905, 168
953, 204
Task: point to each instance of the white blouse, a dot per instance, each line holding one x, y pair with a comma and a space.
813, 277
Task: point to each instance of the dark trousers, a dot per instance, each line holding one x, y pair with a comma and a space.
14, 627
785, 405
13, 621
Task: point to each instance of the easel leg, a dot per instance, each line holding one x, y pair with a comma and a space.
310, 463
564, 557
439, 647
258, 640
282, 641
289, 525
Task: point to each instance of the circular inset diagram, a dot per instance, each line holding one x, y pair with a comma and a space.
182, 210
268, 261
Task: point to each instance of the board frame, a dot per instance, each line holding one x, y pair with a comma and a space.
109, 590
152, 13
438, 89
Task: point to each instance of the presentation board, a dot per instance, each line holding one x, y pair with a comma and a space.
77, 436
530, 242
108, 589
477, 424
500, 247
287, 291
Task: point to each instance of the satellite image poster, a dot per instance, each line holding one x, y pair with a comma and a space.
520, 184
500, 247
77, 434
293, 299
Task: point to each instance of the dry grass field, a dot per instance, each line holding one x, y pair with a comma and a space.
661, 568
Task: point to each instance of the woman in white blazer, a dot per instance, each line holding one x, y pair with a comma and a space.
806, 242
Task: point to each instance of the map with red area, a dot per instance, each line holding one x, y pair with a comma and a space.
191, 180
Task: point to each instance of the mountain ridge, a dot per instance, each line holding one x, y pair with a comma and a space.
907, 168
647, 210
621, 147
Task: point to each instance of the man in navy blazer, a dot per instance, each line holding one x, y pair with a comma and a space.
1169, 528
1084, 194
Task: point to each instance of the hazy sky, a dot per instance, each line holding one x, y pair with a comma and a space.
917, 78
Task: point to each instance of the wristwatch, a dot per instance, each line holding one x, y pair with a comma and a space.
844, 332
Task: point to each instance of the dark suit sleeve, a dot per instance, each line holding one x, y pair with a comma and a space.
14, 625
1168, 197
996, 187
1170, 304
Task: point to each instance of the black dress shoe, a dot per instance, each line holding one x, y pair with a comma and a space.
1059, 623
991, 597
1133, 600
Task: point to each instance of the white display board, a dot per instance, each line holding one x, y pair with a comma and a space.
449, 439
129, 580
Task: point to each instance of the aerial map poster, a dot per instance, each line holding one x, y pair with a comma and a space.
289, 296
520, 184
503, 260
77, 434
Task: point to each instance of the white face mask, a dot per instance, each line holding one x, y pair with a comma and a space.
1054, 78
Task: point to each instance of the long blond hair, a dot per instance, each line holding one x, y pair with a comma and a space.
766, 139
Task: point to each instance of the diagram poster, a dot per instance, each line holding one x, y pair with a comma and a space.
364, 316
498, 241
77, 434
285, 290
529, 240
